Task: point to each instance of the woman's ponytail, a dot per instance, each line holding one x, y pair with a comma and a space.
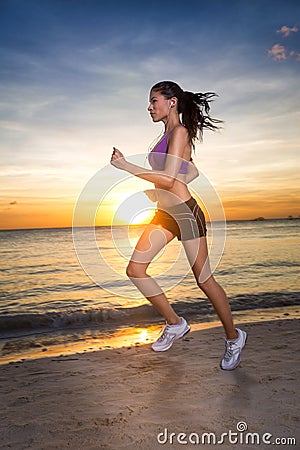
194, 107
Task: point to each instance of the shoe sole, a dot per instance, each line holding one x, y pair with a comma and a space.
179, 337
239, 360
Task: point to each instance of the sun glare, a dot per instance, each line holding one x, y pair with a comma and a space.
142, 217
133, 211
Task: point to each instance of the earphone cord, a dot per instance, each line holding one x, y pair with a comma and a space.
153, 144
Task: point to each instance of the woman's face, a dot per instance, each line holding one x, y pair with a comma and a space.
159, 106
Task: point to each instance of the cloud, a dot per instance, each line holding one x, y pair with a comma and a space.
286, 31
278, 52
296, 54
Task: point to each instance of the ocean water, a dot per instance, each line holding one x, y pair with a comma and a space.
44, 288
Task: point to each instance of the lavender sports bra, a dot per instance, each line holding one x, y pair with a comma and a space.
157, 156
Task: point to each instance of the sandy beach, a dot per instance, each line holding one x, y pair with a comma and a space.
132, 397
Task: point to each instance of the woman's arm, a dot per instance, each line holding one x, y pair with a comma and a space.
164, 179
191, 174
147, 174
160, 178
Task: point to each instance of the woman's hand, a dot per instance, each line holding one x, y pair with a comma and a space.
117, 159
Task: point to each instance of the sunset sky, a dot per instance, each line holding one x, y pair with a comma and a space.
75, 79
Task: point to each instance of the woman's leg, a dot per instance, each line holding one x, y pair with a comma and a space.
152, 240
199, 261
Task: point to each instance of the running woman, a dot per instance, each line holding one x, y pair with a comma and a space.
185, 115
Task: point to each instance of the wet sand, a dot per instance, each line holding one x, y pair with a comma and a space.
122, 398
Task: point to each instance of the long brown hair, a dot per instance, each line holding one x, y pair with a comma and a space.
194, 108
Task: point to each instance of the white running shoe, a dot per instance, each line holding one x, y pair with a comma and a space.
233, 348
169, 334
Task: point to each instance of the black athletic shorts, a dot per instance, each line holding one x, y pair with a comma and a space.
185, 220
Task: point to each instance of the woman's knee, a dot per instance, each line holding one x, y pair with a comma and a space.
135, 270
205, 282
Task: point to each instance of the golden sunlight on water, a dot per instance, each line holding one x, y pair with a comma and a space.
128, 337
143, 336
57, 345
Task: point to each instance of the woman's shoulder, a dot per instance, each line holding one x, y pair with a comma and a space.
179, 131
179, 135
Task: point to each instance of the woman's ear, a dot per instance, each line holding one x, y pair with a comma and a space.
173, 102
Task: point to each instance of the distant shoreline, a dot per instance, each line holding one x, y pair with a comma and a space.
257, 219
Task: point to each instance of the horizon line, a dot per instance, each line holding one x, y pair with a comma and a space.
257, 219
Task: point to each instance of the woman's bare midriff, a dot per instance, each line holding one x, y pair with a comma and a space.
177, 194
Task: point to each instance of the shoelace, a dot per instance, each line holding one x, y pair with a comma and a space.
164, 333
229, 350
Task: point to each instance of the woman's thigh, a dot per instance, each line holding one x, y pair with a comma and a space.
151, 241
